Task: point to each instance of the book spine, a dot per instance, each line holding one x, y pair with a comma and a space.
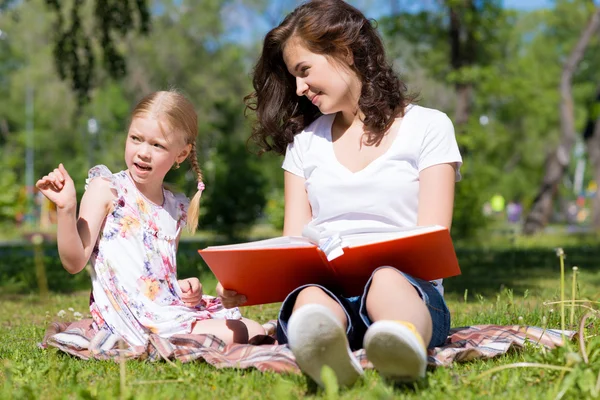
332, 272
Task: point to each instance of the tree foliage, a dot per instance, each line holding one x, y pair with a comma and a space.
236, 191
74, 54
511, 61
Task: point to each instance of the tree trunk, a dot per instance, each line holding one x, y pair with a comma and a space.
558, 161
463, 104
591, 135
593, 149
463, 46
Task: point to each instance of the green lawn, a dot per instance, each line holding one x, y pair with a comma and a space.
28, 372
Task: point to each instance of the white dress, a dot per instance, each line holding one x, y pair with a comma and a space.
134, 277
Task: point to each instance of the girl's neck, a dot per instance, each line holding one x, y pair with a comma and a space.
154, 193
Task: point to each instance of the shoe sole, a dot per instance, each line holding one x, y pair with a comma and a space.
316, 338
395, 351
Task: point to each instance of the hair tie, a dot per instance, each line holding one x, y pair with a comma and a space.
201, 186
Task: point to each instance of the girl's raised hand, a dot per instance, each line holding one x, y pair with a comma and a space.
59, 188
191, 291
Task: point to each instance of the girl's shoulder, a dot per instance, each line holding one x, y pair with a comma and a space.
176, 201
116, 181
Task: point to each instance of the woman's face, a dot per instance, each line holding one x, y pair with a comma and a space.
329, 84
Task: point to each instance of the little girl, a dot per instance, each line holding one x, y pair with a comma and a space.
358, 156
129, 227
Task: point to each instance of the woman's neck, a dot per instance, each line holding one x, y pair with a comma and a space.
345, 119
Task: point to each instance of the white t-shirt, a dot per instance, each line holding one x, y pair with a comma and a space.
383, 195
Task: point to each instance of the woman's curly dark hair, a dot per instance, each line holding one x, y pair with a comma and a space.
332, 28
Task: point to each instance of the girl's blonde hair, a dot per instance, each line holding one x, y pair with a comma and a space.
178, 113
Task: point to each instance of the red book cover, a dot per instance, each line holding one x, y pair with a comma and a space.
267, 271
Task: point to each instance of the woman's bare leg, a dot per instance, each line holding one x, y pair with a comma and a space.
315, 295
392, 297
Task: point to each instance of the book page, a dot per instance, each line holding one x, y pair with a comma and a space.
278, 242
359, 239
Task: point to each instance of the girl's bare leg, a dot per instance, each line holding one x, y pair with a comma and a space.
229, 330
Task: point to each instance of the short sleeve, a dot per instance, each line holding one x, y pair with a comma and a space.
100, 171
293, 161
183, 203
439, 144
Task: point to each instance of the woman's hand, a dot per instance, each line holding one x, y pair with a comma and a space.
59, 188
230, 298
191, 291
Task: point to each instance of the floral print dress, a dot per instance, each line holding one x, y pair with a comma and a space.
134, 279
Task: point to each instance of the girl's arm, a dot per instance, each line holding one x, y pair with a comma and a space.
191, 288
76, 237
297, 208
436, 195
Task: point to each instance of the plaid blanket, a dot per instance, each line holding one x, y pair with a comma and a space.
263, 352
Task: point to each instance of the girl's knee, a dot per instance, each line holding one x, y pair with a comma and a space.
253, 327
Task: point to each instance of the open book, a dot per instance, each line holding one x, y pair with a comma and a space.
266, 271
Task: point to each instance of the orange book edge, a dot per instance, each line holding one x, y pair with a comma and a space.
268, 275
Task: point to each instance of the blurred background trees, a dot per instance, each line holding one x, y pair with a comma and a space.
71, 71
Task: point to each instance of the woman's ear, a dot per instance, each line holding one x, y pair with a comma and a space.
185, 152
349, 57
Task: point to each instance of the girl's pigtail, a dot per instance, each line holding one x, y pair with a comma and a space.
194, 208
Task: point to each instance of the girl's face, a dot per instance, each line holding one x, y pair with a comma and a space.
330, 85
149, 154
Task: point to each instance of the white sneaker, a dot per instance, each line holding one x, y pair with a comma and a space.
317, 338
396, 350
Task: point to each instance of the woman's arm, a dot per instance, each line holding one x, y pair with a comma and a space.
297, 208
436, 195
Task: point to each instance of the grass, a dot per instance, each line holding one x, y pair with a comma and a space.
29, 372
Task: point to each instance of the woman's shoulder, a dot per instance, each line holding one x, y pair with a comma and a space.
426, 114
318, 127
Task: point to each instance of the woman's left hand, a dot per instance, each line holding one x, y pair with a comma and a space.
191, 291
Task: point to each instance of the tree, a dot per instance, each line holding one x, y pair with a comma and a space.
591, 136
235, 194
457, 43
74, 44
453, 40
559, 159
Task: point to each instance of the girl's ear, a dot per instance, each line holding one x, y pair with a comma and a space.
181, 157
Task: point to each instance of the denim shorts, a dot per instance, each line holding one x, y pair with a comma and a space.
356, 312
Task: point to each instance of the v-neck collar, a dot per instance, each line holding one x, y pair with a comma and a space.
383, 156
